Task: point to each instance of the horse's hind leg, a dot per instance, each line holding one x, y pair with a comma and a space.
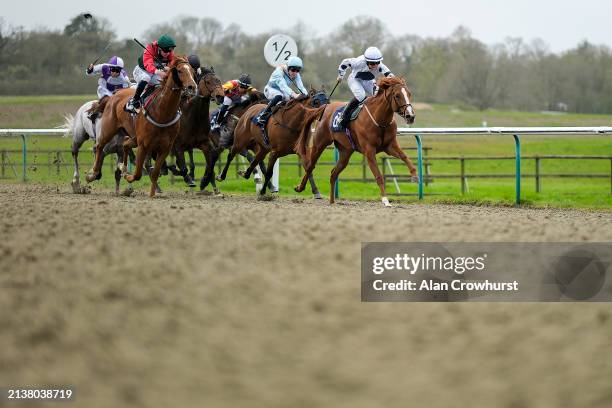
309, 168
343, 160
396, 151
370, 153
77, 142
271, 160
313, 187
211, 155
140, 160
118, 170
182, 166
191, 164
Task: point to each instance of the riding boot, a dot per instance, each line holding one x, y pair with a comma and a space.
265, 115
133, 104
348, 111
220, 117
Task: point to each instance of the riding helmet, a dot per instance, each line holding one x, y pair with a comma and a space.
373, 54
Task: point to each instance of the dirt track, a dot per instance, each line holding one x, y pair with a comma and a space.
189, 301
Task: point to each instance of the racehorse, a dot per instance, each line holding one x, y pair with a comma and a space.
194, 130
154, 129
283, 129
224, 136
374, 131
82, 128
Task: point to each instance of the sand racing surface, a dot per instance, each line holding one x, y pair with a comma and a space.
199, 301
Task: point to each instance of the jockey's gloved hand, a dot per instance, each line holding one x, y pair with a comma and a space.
339, 79
90, 68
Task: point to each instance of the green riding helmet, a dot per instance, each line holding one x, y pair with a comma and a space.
166, 42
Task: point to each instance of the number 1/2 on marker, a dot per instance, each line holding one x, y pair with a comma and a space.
281, 51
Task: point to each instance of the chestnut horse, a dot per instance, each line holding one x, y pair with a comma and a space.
194, 130
284, 128
374, 131
153, 130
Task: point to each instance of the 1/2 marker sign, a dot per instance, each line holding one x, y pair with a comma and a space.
279, 48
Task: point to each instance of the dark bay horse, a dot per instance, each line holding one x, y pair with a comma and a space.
225, 134
374, 131
284, 128
153, 130
194, 130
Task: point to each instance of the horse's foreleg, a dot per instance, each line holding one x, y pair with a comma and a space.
396, 151
343, 160
159, 161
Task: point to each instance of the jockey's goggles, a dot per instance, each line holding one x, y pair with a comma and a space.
167, 49
115, 69
295, 69
373, 63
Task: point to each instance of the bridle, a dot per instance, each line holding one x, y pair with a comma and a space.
203, 77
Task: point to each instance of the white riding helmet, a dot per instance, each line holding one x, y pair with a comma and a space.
373, 54
116, 62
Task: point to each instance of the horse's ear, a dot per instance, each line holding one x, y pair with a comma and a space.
212, 69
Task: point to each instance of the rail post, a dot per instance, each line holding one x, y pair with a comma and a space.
420, 164
24, 157
517, 150
610, 176
4, 161
537, 174
463, 189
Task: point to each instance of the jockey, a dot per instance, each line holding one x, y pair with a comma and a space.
151, 68
112, 77
279, 86
235, 92
364, 71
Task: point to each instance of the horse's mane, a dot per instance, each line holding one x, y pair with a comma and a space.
178, 59
388, 82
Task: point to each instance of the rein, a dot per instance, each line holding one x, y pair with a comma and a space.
285, 109
177, 117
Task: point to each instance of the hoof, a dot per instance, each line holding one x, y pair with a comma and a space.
317, 196
386, 202
219, 178
216, 191
414, 179
91, 177
128, 191
266, 197
242, 173
297, 189
76, 186
191, 184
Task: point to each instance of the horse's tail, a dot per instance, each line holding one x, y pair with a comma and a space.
301, 144
68, 125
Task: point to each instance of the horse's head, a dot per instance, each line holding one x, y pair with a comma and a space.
317, 98
182, 75
397, 94
209, 85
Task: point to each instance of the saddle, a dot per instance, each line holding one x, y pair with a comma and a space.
337, 117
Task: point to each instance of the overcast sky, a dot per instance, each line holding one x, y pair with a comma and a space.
562, 24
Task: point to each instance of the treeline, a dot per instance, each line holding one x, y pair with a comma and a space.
458, 69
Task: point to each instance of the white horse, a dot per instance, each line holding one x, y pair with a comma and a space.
82, 129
